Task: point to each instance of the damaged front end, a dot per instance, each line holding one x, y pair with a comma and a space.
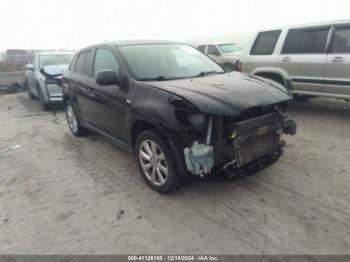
232, 146
53, 81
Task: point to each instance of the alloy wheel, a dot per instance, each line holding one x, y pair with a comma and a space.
72, 119
153, 162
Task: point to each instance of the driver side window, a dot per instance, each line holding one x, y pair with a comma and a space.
104, 59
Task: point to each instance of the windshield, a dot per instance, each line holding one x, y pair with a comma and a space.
54, 59
154, 61
228, 48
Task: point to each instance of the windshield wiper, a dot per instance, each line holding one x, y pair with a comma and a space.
161, 78
204, 73
165, 78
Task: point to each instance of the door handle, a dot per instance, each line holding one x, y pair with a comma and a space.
286, 59
338, 59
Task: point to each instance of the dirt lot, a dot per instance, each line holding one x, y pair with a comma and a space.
63, 195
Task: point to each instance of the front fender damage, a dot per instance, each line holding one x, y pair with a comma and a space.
234, 147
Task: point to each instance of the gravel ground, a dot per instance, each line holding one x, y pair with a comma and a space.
65, 195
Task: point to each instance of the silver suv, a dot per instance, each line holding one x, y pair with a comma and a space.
311, 60
40, 76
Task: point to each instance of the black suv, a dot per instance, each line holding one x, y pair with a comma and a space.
176, 110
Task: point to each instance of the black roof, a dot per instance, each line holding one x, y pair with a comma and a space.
129, 42
141, 42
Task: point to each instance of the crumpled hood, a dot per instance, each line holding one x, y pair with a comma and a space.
226, 94
53, 73
54, 70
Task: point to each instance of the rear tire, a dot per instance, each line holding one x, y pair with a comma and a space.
73, 121
155, 162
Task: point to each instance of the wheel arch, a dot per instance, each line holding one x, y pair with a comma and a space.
139, 126
275, 74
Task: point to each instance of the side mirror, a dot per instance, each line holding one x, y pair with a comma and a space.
106, 77
29, 67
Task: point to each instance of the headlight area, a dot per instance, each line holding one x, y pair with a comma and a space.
196, 121
199, 157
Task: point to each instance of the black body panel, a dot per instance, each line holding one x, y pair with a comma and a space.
226, 94
122, 110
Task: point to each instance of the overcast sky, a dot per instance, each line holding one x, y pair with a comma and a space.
72, 24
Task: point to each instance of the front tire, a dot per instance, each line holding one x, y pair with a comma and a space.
155, 162
73, 121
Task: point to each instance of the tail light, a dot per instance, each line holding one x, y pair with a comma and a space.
238, 66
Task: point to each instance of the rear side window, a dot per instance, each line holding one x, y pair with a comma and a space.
306, 41
341, 42
201, 48
82, 64
265, 43
104, 59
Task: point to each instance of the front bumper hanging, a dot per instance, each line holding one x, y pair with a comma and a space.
248, 145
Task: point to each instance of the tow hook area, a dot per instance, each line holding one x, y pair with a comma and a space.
199, 158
